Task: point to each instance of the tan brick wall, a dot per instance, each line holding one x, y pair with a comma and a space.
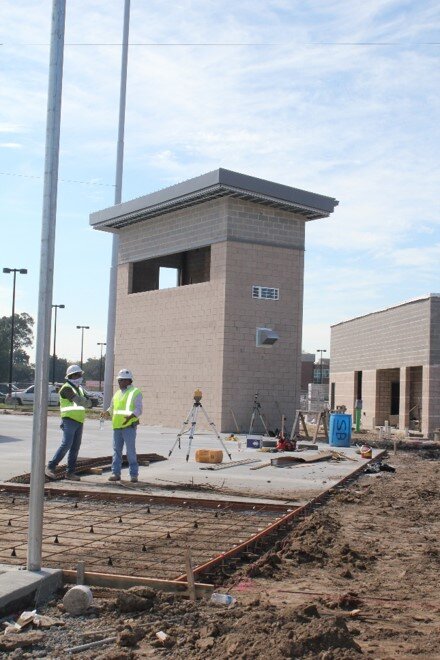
397, 337
273, 372
173, 339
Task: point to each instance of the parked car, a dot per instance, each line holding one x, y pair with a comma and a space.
4, 391
95, 397
26, 397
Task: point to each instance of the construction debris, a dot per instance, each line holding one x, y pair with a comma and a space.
224, 466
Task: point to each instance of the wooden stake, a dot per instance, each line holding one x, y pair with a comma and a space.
80, 572
190, 576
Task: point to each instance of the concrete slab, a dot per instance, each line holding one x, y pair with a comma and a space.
21, 589
176, 476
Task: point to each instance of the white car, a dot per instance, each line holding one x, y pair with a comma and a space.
26, 397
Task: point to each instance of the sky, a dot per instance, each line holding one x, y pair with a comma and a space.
340, 98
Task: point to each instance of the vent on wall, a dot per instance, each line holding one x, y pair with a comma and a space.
266, 292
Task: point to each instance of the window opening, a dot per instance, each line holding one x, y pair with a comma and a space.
171, 270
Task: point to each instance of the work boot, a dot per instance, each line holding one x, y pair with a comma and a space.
115, 477
50, 473
71, 476
134, 480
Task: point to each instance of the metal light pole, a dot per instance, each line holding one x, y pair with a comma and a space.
22, 271
82, 328
111, 316
47, 254
54, 357
321, 350
101, 344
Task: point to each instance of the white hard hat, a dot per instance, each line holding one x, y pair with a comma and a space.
73, 369
125, 374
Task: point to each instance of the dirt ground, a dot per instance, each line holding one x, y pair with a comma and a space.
359, 577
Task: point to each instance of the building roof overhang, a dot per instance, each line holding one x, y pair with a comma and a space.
213, 185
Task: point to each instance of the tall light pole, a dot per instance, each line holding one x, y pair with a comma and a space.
321, 350
82, 328
54, 357
22, 271
47, 258
101, 344
111, 315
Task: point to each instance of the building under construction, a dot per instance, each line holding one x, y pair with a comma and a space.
231, 320
390, 361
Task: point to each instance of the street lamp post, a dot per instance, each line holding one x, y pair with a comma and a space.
101, 344
82, 328
54, 358
321, 350
22, 271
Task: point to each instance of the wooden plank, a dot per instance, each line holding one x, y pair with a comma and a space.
190, 576
294, 431
115, 581
324, 455
303, 421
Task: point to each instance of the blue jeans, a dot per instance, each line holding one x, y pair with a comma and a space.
71, 442
127, 436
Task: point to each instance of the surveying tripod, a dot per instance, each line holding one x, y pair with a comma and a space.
256, 410
191, 421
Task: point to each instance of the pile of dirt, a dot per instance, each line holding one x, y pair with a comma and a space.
317, 540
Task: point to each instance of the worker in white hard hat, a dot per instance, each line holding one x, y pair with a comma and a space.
73, 405
125, 410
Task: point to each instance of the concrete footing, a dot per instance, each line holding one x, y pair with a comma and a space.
21, 589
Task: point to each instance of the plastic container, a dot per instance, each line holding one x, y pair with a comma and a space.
366, 451
340, 430
209, 456
222, 599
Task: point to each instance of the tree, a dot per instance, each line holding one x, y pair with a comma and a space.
23, 338
92, 368
61, 365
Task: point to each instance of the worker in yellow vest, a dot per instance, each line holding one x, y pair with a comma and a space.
125, 410
73, 405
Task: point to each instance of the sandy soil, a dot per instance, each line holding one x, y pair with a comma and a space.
359, 577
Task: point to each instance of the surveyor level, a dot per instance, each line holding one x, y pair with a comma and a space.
191, 422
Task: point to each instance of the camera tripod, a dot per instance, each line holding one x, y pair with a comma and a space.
256, 410
191, 421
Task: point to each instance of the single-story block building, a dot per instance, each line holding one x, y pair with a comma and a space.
390, 361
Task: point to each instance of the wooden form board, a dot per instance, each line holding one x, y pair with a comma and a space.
115, 581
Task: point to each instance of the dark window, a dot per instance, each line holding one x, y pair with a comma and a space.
395, 396
181, 269
359, 385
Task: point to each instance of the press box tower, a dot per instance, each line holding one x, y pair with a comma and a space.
230, 322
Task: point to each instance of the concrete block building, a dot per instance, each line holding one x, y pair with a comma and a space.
234, 245
390, 360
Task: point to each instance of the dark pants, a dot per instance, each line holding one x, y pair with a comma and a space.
72, 435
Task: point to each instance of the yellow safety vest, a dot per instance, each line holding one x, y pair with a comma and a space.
123, 405
70, 408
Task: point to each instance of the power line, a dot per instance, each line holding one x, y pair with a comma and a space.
233, 44
34, 176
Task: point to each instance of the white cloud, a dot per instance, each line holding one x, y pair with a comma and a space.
358, 123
